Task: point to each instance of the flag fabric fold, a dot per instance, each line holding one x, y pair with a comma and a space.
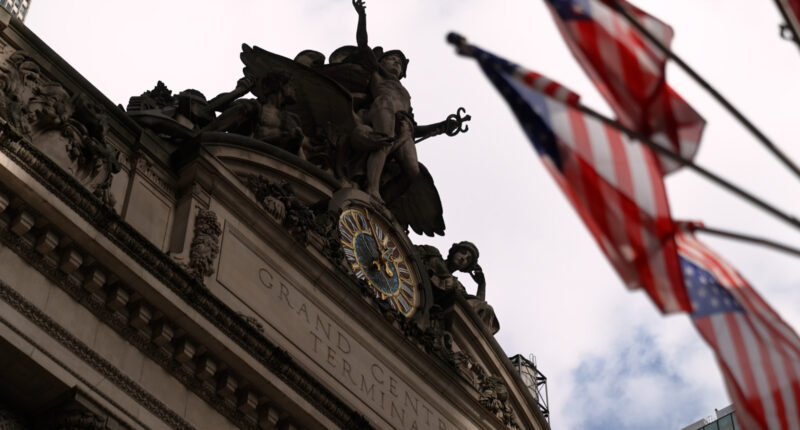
614, 184
759, 353
628, 70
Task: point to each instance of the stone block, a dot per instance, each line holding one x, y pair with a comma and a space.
22, 223
47, 242
227, 385
95, 280
140, 315
4, 201
162, 333
117, 298
184, 350
70, 261
246, 401
268, 417
206, 368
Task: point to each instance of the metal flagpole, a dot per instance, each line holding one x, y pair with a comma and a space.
733, 111
690, 164
463, 48
752, 239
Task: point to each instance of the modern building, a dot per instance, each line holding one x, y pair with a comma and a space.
168, 267
723, 419
18, 8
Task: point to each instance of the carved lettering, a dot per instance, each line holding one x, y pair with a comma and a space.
383, 390
331, 356
413, 403
379, 379
343, 344
265, 277
370, 391
303, 310
346, 370
401, 414
285, 295
317, 340
326, 330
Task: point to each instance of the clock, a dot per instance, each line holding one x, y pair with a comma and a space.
374, 255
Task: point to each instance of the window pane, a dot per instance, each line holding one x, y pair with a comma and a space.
726, 423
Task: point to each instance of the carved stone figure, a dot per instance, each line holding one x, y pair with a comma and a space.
205, 244
179, 115
281, 202
265, 118
390, 116
462, 257
70, 129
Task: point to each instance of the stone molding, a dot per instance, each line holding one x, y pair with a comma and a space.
191, 290
90, 208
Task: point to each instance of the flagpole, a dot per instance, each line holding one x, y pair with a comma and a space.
690, 164
751, 239
703, 83
464, 48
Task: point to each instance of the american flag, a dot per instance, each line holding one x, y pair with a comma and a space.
759, 354
628, 70
614, 184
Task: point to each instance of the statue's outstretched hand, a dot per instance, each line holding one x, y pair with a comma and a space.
360, 7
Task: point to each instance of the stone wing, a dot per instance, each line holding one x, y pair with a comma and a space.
420, 207
320, 101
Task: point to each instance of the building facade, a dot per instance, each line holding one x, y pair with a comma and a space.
170, 267
17, 8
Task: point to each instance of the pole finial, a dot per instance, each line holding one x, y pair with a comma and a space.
460, 42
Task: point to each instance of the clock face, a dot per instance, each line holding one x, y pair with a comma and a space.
374, 256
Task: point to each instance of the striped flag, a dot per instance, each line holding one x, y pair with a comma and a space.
759, 354
614, 184
628, 70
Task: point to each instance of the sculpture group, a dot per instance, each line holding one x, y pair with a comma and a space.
351, 116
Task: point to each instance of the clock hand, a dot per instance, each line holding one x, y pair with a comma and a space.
381, 248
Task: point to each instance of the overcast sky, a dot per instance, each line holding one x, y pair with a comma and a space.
611, 359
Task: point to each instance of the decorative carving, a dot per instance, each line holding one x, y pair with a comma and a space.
266, 118
390, 115
281, 202
179, 115
462, 257
326, 226
494, 397
253, 322
9, 420
75, 419
171, 274
71, 130
205, 244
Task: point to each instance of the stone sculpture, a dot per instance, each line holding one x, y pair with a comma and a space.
71, 129
462, 257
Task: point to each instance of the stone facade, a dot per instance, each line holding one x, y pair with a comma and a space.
156, 279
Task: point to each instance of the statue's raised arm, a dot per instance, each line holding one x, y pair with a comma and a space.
361, 32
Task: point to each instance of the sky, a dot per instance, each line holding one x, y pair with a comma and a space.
612, 361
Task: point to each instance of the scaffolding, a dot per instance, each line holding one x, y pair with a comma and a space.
534, 380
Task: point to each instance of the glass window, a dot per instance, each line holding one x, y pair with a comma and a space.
711, 426
726, 423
